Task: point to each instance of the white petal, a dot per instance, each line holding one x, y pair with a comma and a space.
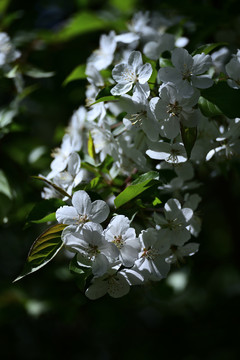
118, 287
97, 289
67, 215
100, 211
82, 202
100, 265
145, 73
121, 89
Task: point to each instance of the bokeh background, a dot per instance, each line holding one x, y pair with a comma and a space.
193, 315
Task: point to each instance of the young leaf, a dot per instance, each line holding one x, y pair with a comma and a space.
76, 74
4, 185
143, 183
206, 49
44, 211
225, 98
208, 108
91, 147
45, 247
189, 136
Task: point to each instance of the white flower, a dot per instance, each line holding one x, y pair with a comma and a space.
174, 224
124, 237
151, 262
70, 178
114, 283
61, 155
153, 49
139, 113
171, 109
127, 74
177, 253
103, 57
91, 247
233, 71
82, 211
172, 153
187, 70
7, 51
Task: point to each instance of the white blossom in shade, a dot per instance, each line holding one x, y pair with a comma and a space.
173, 225
8, 53
77, 124
113, 282
73, 176
139, 113
219, 58
187, 71
177, 253
96, 111
171, 109
61, 155
233, 71
228, 143
151, 262
192, 201
104, 142
128, 74
82, 211
124, 237
172, 153
127, 38
103, 57
91, 247
154, 49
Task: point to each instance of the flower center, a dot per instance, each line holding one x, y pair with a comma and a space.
186, 73
129, 75
174, 109
93, 250
150, 253
82, 219
138, 117
118, 241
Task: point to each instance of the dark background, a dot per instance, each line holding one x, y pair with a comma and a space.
45, 316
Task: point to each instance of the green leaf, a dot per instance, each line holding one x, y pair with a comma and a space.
163, 62
76, 74
156, 201
57, 188
208, 108
74, 267
44, 211
6, 117
141, 184
50, 217
105, 98
43, 250
91, 147
81, 23
206, 49
225, 98
93, 183
4, 185
189, 136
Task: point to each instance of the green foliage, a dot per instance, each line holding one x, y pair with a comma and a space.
208, 108
44, 211
4, 185
45, 247
141, 184
224, 97
189, 136
206, 49
77, 74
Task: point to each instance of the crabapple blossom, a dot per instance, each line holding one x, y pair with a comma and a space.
187, 71
128, 74
82, 211
124, 237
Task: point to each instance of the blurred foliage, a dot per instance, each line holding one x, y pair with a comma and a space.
46, 315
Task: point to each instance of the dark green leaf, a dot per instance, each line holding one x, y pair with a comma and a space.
45, 247
206, 49
76, 74
189, 136
225, 98
208, 108
165, 62
4, 185
44, 209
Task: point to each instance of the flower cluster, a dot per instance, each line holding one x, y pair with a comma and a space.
145, 115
